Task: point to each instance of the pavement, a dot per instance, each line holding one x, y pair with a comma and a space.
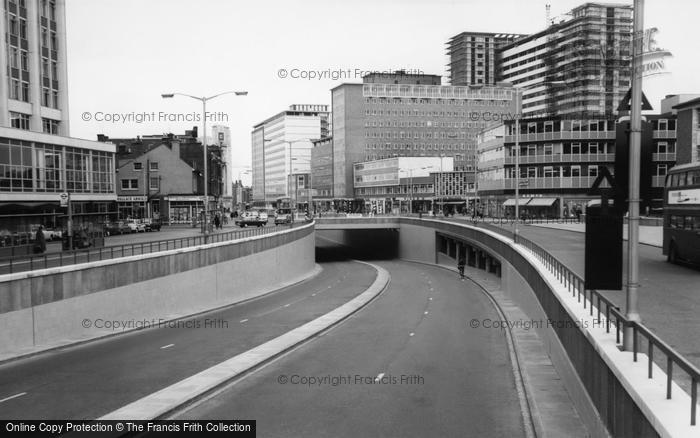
669, 298
648, 235
92, 379
406, 365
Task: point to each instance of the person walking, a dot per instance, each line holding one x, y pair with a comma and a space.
460, 268
217, 221
39, 241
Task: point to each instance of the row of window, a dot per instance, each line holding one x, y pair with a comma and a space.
133, 183
421, 124
683, 179
22, 121
48, 168
152, 166
593, 148
426, 101
565, 171
417, 146
690, 223
417, 135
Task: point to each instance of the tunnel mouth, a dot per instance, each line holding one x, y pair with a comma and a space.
344, 245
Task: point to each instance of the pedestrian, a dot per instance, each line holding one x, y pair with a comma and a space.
460, 267
217, 221
39, 241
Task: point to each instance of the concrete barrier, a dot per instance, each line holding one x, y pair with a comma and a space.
58, 306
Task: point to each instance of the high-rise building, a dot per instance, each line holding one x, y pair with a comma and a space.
221, 137
378, 120
40, 165
579, 67
281, 145
33, 77
472, 57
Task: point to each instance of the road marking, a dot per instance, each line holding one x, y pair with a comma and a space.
425, 313
430, 298
329, 287
313, 295
244, 320
166, 346
379, 377
286, 305
411, 334
13, 396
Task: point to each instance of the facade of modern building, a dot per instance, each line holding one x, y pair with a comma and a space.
473, 57
242, 195
374, 121
578, 67
221, 137
398, 183
33, 77
688, 132
282, 143
454, 191
39, 162
560, 160
322, 173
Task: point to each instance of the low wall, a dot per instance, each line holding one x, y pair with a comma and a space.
602, 401
60, 305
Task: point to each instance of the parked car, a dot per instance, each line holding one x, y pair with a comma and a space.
49, 234
136, 227
114, 228
152, 224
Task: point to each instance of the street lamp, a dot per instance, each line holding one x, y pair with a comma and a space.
204, 144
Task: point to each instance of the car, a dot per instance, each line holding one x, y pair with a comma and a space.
136, 227
48, 233
263, 216
252, 218
114, 228
152, 224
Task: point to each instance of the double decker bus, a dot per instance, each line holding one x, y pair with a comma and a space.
284, 213
682, 214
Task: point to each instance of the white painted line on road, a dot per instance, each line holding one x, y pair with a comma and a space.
411, 334
430, 298
166, 346
13, 396
244, 320
425, 313
379, 377
286, 305
313, 295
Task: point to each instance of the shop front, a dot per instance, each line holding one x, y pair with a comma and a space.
182, 209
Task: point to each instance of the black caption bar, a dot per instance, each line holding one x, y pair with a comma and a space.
126, 428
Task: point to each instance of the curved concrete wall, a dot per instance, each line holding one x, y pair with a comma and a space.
603, 403
62, 305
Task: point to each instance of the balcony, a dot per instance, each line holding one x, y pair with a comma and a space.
571, 182
563, 135
668, 156
658, 181
664, 134
562, 158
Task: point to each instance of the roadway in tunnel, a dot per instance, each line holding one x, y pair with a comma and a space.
408, 364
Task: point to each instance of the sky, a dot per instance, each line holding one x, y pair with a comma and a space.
123, 54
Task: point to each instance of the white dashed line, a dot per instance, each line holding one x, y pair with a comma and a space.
425, 313
166, 346
244, 320
430, 298
13, 396
313, 295
286, 305
411, 334
379, 377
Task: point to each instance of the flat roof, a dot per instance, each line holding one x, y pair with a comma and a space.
692, 102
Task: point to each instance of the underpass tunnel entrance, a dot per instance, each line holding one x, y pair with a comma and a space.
370, 244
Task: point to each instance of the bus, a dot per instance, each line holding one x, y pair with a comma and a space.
284, 213
681, 231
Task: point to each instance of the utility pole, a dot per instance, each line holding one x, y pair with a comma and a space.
634, 173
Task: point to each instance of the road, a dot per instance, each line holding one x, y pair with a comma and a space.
88, 381
406, 365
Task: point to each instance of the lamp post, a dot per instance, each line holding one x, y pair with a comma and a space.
204, 101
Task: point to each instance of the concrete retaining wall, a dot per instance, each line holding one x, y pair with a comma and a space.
61, 305
602, 401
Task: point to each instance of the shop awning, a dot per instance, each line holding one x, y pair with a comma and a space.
541, 202
511, 202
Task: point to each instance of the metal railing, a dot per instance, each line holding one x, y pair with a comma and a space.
575, 285
64, 258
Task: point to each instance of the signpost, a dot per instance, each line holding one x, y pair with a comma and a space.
65, 202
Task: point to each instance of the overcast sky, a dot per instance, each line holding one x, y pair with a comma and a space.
122, 54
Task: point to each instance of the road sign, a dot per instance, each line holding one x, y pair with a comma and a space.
65, 197
524, 183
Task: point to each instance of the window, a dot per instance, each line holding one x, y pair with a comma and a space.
575, 148
532, 172
575, 171
138, 166
592, 171
153, 166
548, 149
593, 148
663, 125
661, 169
130, 184
154, 183
548, 171
50, 126
661, 147
19, 120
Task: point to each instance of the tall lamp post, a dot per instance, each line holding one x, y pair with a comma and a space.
204, 101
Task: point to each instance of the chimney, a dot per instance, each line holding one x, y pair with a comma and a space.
176, 148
